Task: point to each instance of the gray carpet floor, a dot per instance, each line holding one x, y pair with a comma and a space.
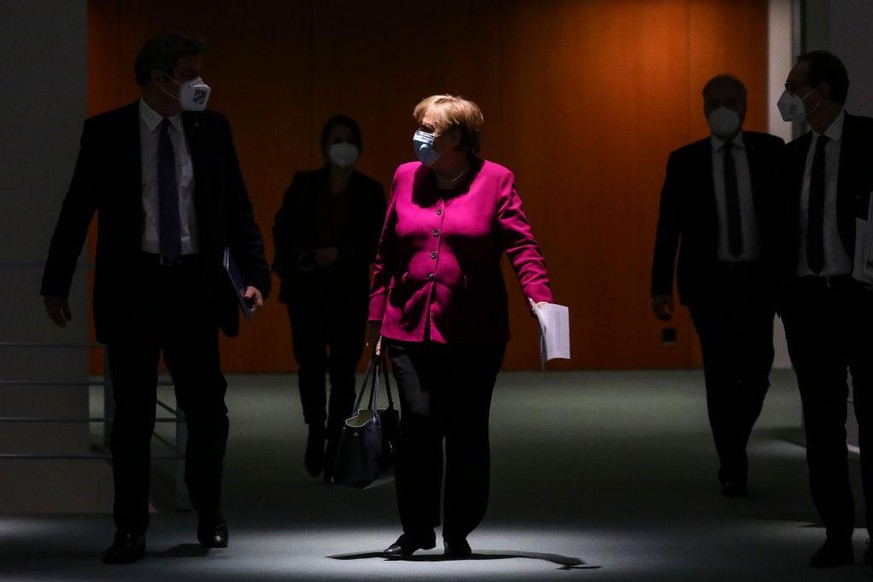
596, 476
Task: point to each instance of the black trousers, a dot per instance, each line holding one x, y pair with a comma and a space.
445, 395
328, 325
829, 331
735, 324
166, 313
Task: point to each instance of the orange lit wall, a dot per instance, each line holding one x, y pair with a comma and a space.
583, 100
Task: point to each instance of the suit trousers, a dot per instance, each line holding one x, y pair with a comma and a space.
829, 331
734, 321
328, 324
166, 313
445, 396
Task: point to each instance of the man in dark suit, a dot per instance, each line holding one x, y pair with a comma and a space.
716, 208
827, 179
162, 175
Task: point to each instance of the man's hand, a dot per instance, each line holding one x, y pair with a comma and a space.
254, 297
58, 309
662, 307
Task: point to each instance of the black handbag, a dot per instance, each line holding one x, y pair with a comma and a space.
366, 449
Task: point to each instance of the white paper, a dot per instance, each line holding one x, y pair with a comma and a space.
554, 323
863, 267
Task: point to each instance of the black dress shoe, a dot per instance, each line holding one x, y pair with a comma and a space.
834, 552
407, 544
213, 535
457, 548
128, 547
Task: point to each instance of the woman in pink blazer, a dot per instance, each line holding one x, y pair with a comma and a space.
439, 300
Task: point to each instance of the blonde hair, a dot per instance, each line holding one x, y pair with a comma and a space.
453, 112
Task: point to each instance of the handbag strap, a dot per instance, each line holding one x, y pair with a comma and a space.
372, 381
379, 362
370, 374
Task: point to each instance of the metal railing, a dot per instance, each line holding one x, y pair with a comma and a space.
100, 451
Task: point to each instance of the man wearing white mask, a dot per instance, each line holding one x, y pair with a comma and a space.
716, 211
163, 177
827, 177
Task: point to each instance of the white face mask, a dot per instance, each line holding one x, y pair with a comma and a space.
343, 154
792, 108
193, 94
723, 122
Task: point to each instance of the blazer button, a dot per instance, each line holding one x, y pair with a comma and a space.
439, 211
431, 276
436, 232
433, 254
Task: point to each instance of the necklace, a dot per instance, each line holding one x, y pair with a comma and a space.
456, 178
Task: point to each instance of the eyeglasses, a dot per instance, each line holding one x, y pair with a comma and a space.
435, 131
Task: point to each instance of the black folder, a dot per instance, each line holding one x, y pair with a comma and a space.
235, 277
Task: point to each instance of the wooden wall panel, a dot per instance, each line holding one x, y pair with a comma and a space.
104, 92
600, 104
583, 100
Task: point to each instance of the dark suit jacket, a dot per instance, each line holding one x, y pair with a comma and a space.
295, 231
108, 180
854, 183
688, 217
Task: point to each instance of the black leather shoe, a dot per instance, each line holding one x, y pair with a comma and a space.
833, 553
407, 544
213, 535
127, 548
734, 489
457, 548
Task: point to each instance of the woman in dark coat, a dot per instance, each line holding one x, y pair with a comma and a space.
325, 237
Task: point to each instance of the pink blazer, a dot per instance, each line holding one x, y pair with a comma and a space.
438, 274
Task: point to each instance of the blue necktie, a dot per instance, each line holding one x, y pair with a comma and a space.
169, 226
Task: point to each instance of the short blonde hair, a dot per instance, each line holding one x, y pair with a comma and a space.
453, 112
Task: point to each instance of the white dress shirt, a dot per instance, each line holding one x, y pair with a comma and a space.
836, 259
748, 218
149, 133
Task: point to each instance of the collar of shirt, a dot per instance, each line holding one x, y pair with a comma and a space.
835, 129
153, 119
718, 143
